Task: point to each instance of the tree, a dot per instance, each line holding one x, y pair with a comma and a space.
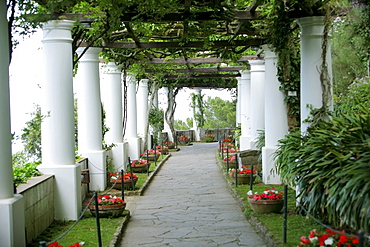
219, 113
31, 135
181, 125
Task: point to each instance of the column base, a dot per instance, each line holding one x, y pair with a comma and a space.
97, 162
118, 156
269, 175
67, 190
133, 148
12, 232
245, 143
253, 145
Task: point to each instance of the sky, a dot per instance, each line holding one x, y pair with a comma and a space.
25, 77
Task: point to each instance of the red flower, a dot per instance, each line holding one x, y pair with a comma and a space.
342, 239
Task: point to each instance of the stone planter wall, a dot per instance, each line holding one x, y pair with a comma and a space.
38, 196
251, 157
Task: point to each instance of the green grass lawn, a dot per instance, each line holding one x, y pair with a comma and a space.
297, 225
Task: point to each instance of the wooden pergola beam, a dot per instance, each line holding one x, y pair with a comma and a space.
209, 60
203, 76
190, 44
207, 70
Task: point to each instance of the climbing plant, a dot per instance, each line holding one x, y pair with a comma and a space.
198, 108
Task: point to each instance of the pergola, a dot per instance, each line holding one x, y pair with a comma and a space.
183, 40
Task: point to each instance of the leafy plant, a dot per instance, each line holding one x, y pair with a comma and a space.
24, 171
330, 166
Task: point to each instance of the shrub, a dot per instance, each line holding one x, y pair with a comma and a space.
330, 166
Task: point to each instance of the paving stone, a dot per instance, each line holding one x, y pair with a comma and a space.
188, 204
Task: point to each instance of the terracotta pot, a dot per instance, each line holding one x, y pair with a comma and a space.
151, 157
244, 178
106, 211
127, 184
140, 167
266, 206
171, 146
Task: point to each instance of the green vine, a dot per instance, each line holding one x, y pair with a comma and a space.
198, 109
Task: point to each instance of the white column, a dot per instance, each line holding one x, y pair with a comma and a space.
312, 29
142, 106
131, 129
245, 108
239, 101
57, 129
111, 89
257, 100
90, 116
196, 111
11, 205
276, 118
142, 101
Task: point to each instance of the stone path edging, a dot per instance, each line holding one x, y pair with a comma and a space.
258, 226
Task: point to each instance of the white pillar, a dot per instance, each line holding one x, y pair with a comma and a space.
196, 111
57, 129
131, 129
111, 89
312, 29
142, 106
239, 101
257, 100
90, 116
276, 118
245, 108
12, 231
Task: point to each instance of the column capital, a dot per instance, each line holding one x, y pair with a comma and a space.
269, 53
257, 65
143, 83
57, 31
110, 68
312, 25
91, 54
246, 74
130, 78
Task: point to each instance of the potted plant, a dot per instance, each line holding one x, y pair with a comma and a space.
183, 139
243, 173
116, 179
56, 244
151, 154
270, 201
209, 138
163, 149
231, 151
169, 144
140, 165
230, 160
108, 206
329, 238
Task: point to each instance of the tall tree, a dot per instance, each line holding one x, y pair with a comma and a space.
219, 113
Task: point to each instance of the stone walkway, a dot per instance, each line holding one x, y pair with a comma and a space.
188, 203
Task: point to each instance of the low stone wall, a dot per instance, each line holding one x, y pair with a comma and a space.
251, 157
38, 196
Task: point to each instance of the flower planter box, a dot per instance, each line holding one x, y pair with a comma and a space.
140, 167
244, 178
127, 184
151, 157
266, 206
106, 211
